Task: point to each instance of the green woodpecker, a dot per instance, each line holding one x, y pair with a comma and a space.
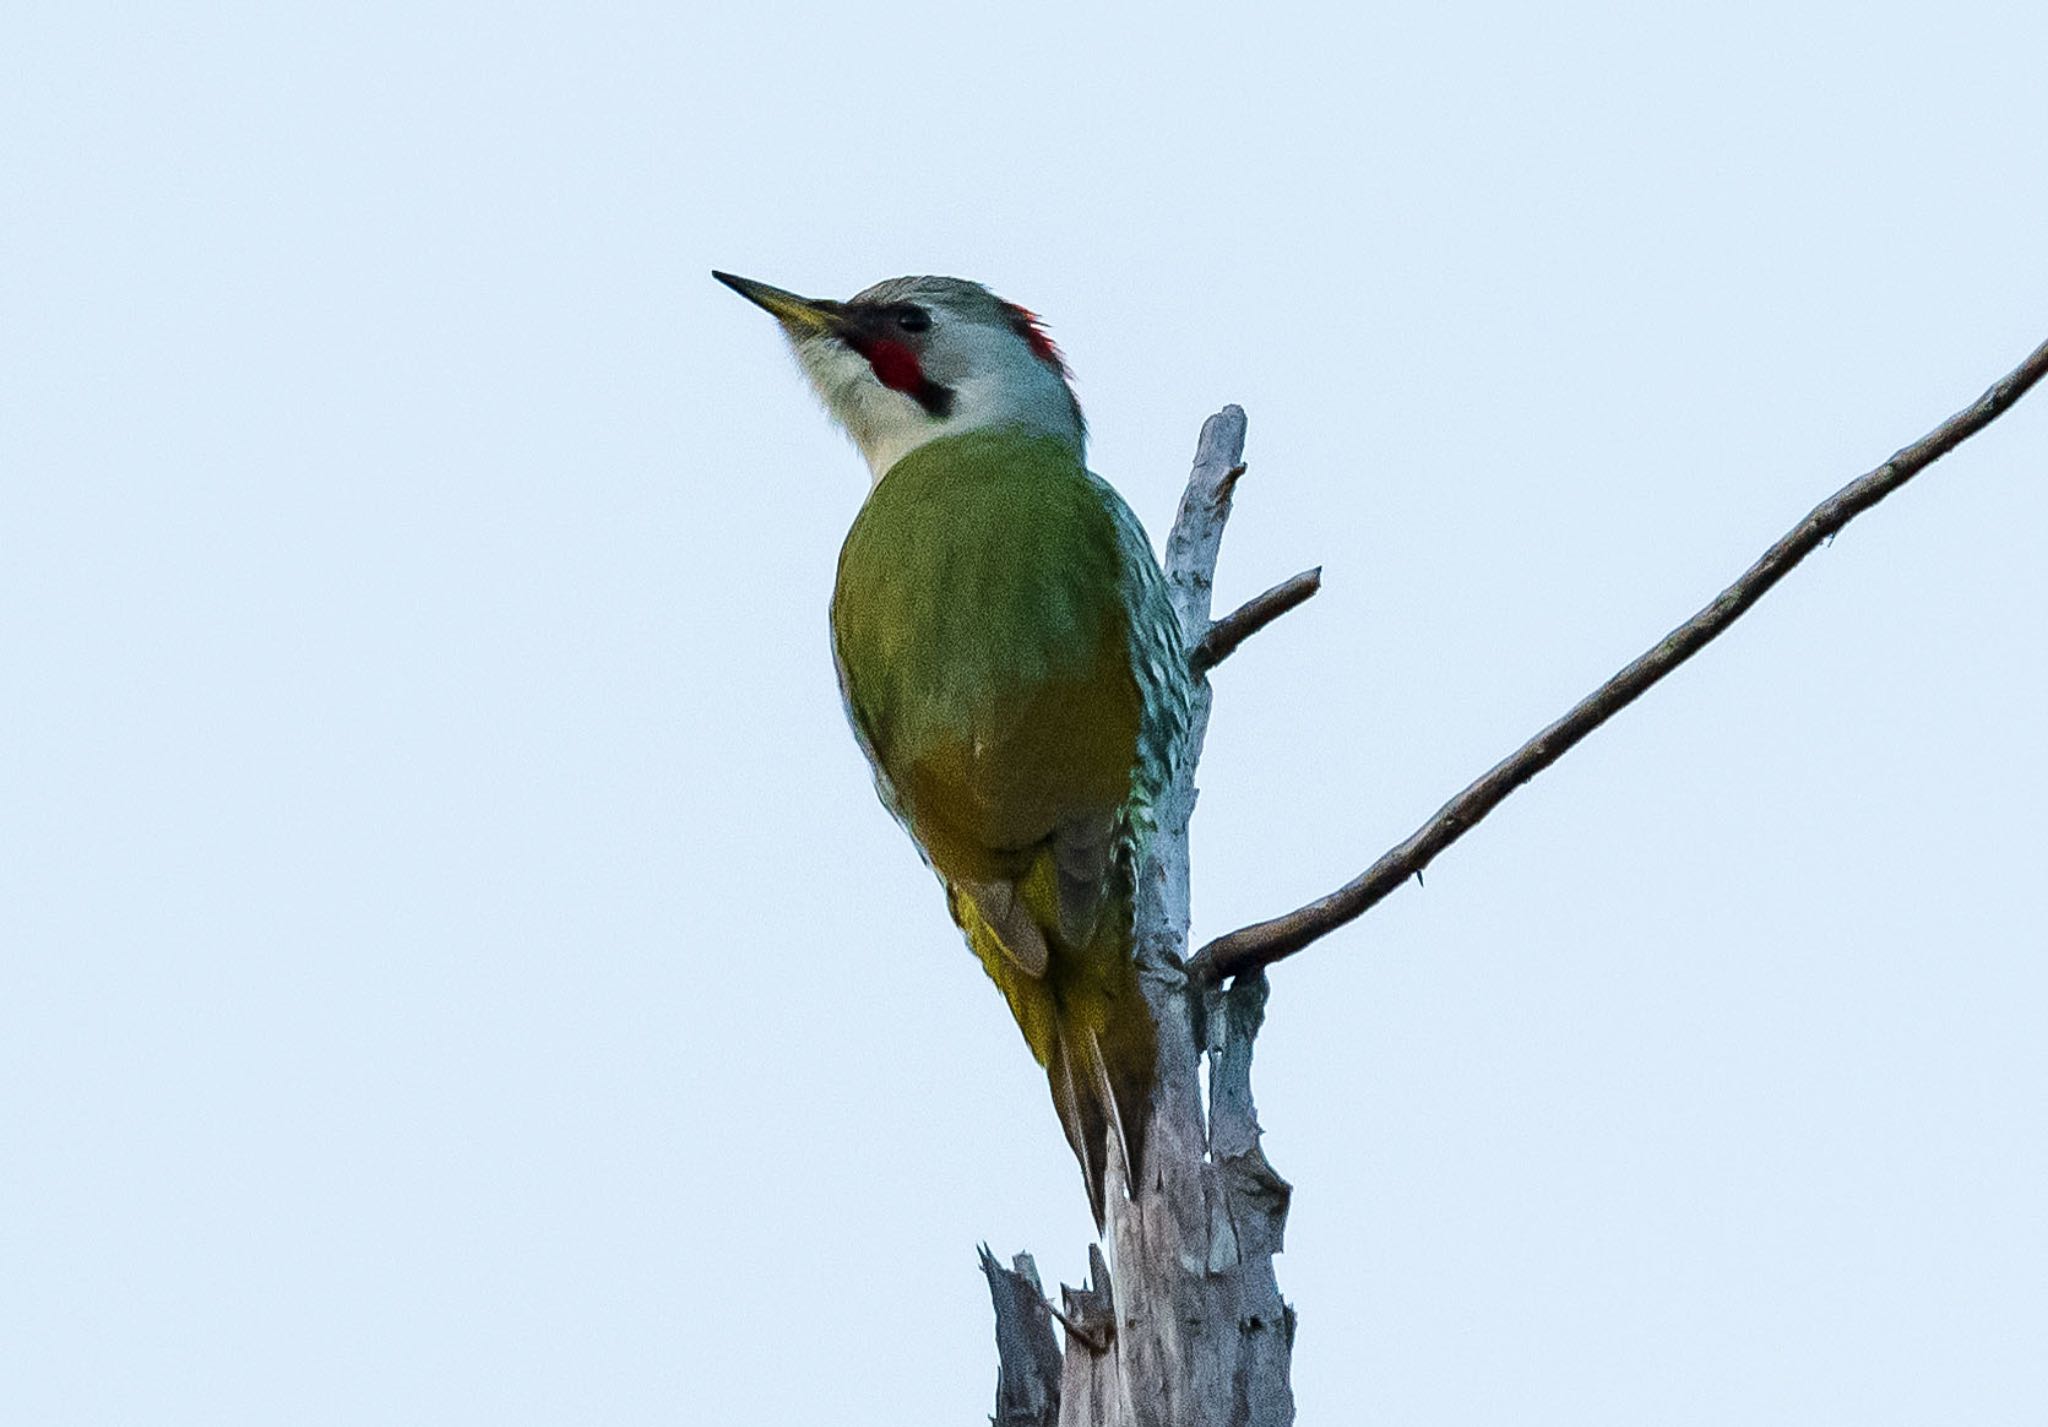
1010, 664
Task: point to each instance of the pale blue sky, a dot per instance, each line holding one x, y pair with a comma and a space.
453, 968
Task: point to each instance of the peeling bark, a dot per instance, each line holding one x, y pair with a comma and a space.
1028, 1375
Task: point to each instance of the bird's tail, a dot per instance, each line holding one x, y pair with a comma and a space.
1087, 1023
1103, 1094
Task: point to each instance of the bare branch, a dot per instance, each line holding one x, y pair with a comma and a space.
1197, 534
1250, 617
1192, 546
1264, 943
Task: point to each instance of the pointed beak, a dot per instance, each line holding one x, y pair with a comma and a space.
799, 316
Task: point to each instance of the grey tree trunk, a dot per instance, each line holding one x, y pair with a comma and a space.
1185, 1326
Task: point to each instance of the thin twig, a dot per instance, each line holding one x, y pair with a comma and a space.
1264, 943
1252, 616
1092, 1340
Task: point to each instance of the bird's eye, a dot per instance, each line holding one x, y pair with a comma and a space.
913, 319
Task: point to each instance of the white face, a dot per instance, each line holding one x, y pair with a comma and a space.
916, 359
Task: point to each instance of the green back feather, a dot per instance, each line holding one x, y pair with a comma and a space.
1012, 667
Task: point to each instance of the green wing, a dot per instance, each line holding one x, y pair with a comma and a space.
1012, 668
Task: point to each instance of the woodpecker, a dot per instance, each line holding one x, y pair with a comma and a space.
1010, 663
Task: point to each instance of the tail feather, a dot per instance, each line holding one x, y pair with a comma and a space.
1082, 1012
1080, 1118
1119, 1142
1099, 1105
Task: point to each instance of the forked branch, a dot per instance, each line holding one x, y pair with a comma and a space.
1253, 947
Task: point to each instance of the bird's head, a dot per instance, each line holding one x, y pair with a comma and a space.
916, 358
